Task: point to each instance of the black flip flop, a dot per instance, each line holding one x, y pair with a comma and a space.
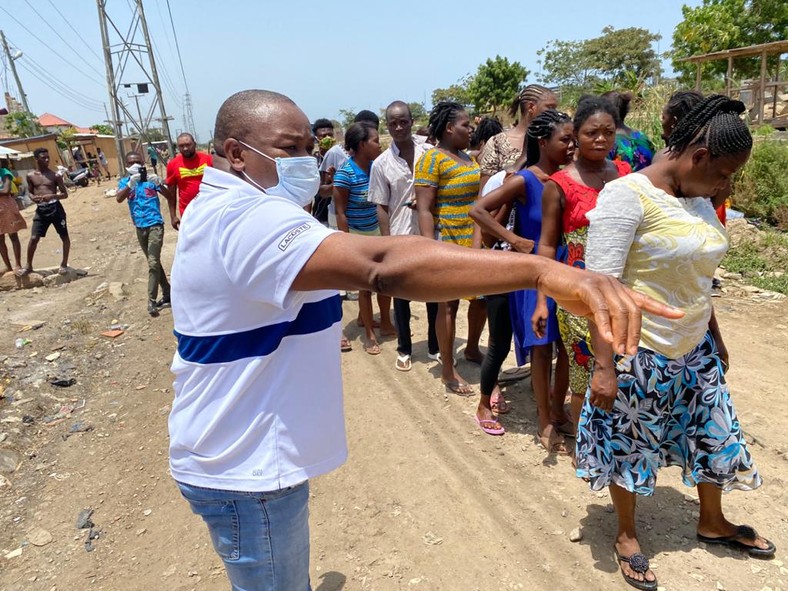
638, 563
746, 532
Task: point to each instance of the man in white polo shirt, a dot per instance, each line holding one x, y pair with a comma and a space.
391, 188
254, 290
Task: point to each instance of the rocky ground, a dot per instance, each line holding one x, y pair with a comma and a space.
426, 501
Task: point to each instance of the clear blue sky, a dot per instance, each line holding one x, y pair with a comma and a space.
326, 56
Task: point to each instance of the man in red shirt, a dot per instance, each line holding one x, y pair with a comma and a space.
184, 174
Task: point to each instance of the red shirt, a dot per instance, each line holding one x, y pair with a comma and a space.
187, 175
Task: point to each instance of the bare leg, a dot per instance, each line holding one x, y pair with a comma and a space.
445, 327
477, 317
4, 253
541, 366
712, 522
66, 250
387, 329
560, 385
626, 539
365, 309
31, 251
17, 247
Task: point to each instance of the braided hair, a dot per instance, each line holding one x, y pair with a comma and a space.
682, 102
589, 106
488, 127
716, 123
543, 126
530, 94
442, 114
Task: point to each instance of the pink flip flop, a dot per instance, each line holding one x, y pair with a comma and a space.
489, 430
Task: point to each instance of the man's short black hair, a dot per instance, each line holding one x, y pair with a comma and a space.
38, 151
322, 124
185, 134
368, 117
402, 104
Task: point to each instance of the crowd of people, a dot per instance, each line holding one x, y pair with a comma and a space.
511, 221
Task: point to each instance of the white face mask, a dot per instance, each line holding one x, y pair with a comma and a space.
299, 178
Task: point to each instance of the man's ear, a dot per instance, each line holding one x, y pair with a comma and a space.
233, 154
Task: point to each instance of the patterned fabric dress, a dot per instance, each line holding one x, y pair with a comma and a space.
498, 153
11, 221
634, 148
458, 187
673, 406
579, 200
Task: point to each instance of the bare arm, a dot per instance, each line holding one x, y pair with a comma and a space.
123, 194
425, 201
552, 214
171, 205
501, 199
410, 267
5, 186
384, 222
62, 192
341, 195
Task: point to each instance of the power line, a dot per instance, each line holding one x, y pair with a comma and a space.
45, 44
56, 32
77, 33
59, 87
61, 91
44, 72
177, 47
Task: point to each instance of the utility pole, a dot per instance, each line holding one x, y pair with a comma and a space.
128, 51
189, 114
11, 59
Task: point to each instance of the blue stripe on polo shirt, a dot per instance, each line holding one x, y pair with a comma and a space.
259, 342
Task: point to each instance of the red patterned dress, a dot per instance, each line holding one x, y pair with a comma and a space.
579, 200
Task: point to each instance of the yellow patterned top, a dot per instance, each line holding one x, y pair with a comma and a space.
458, 187
664, 247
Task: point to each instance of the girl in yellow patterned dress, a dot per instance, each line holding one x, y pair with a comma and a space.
447, 183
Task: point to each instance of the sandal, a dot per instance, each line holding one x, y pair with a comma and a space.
403, 363
566, 429
638, 563
344, 345
745, 532
500, 406
487, 425
372, 349
459, 388
553, 444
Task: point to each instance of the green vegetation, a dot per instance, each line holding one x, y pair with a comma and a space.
760, 190
495, 83
762, 261
23, 125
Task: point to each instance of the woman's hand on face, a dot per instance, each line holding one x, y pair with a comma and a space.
604, 387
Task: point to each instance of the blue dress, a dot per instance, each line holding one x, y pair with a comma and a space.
522, 303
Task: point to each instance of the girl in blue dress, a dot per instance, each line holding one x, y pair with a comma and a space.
548, 146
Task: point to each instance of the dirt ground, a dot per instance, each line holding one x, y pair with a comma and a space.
426, 500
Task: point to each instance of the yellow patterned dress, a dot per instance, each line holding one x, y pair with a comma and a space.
457, 187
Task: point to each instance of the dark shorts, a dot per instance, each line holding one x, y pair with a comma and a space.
49, 215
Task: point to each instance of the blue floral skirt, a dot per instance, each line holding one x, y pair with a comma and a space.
668, 412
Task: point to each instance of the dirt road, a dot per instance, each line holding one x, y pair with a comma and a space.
426, 501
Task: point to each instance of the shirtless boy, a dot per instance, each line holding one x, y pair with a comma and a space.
46, 190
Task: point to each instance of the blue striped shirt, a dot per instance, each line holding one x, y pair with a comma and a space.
361, 214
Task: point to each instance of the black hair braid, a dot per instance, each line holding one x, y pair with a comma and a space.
682, 102
530, 94
716, 123
543, 126
487, 128
590, 105
442, 114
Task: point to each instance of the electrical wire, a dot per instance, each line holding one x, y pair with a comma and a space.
56, 32
61, 91
53, 82
177, 47
44, 44
77, 33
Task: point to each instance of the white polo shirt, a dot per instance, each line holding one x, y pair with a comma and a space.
391, 184
258, 386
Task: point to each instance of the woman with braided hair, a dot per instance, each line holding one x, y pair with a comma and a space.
549, 145
568, 196
447, 183
669, 404
504, 149
632, 146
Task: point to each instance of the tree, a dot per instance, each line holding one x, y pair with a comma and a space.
565, 64
346, 117
22, 124
495, 83
103, 129
457, 93
717, 25
419, 112
618, 53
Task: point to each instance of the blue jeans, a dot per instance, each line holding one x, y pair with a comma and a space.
262, 537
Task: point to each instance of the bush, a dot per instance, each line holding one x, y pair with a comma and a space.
762, 260
760, 190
